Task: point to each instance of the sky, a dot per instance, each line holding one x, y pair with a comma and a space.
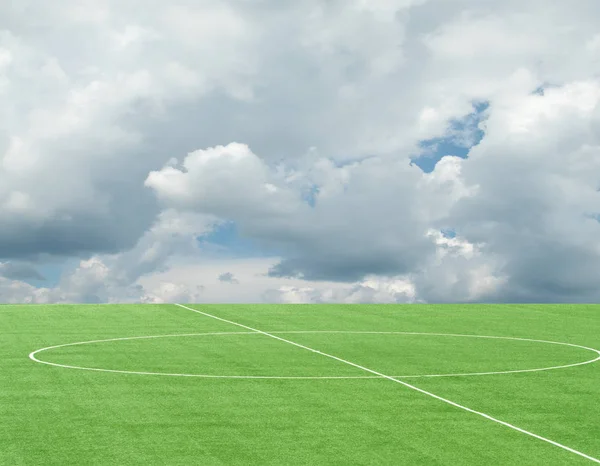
391, 151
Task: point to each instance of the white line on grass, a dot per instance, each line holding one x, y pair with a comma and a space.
412, 387
33, 355
464, 374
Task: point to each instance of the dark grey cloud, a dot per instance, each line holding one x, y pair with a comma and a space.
228, 277
20, 271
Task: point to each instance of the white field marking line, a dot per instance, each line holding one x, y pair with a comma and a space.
467, 336
32, 355
406, 384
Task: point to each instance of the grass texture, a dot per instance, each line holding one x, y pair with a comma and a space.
290, 405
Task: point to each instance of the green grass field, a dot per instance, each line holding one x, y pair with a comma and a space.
164, 400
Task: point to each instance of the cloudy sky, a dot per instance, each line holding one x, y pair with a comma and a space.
300, 151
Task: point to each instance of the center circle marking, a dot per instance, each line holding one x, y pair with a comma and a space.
33, 354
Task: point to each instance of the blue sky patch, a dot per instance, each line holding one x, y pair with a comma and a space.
448, 232
460, 137
226, 241
51, 273
310, 195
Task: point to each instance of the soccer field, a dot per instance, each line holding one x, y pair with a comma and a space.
299, 384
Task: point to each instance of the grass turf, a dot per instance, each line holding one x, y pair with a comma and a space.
58, 416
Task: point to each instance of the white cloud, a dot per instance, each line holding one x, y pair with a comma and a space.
537, 184
370, 290
172, 293
299, 121
18, 292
